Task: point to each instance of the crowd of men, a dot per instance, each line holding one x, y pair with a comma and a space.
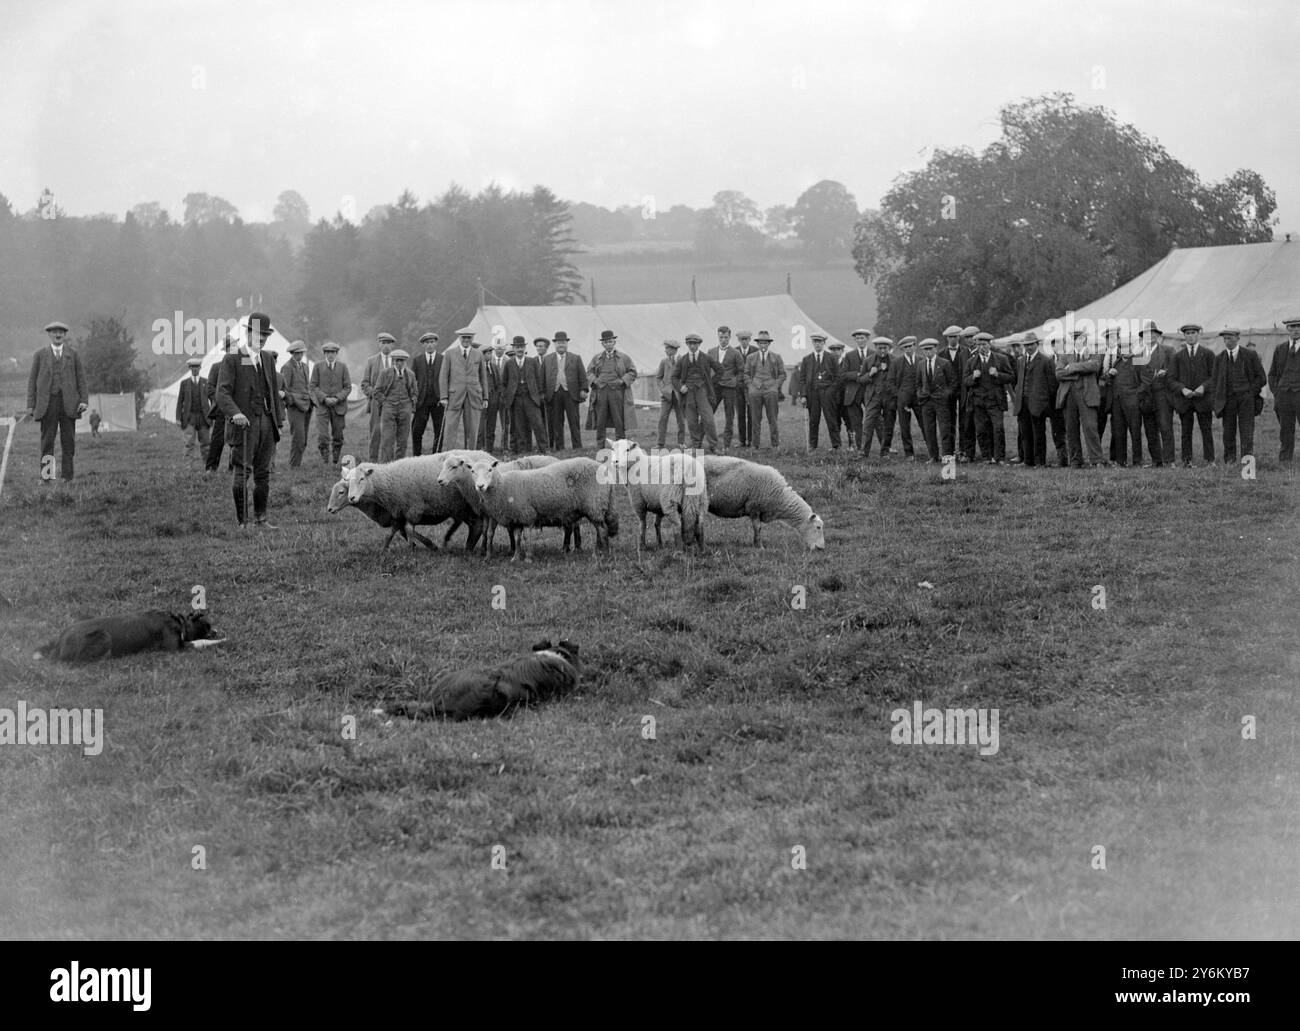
958, 391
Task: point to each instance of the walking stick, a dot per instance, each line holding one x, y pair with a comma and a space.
245, 472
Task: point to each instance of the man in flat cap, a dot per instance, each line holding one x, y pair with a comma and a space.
877, 397
56, 397
853, 367
957, 354
611, 374
376, 365
1152, 361
216, 420
936, 381
693, 378
522, 397
987, 377
192, 413
296, 378
725, 390
542, 345
902, 381
564, 382
248, 397
744, 346
819, 374
670, 400
426, 366
462, 391
1238, 380
764, 378
966, 417
836, 351
1284, 382
1077, 396
397, 392
1191, 375
330, 386
1030, 403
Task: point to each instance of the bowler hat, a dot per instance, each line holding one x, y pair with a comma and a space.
261, 322
607, 334
561, 335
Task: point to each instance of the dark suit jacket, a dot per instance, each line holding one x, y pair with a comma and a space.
297, 388
813, 376
853, 374
72, 382
325, 383
426, 378
528, 379
1251, 366
989, 388
192, 404
942, 387
731, 367
698, 373
958, 364
902, 380
1035, 385
1281, 357
575, 375
239, 377
1192, 372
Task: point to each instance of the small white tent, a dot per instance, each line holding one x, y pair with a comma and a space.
116, 413
162, 402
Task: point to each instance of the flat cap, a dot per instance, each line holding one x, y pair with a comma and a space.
983, 337
818, 336
57, 325
1190, 327
1285, 322
763, 335
399, 354
672, 345
970, 331
297, 347
466, 332
883, 340
861, 333
428, 336
837, 346
724, 329
907, 341
1229, 332
387, 336
561, 335
330, 347
694, 338
929, 342
744, 334
542, 340
195, 362
952, 331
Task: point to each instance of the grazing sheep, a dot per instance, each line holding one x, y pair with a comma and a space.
740, 488
548, 672
458, 471
561, 494
669, 484
408, 490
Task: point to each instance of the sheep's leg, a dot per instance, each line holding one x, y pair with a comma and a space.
758, 529
392, 532
422, 539
659, 537
475, 532
643, 514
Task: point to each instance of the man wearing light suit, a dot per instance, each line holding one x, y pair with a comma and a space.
1078, 396
56, 397
564, 386
462, 390
376, 366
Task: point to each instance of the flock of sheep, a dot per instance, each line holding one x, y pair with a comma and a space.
473, 489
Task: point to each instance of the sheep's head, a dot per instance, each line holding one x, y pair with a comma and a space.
813, 533
483, 472
452, 469
338, 497
620, 455
357, 481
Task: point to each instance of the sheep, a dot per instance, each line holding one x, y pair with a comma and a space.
458, 471
741, 488
371, 508
560, 494
672, 484
408, 490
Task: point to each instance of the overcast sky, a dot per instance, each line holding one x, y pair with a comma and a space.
113, 104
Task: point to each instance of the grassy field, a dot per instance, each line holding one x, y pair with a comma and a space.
1119, 727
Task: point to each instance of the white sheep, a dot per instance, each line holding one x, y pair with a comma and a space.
741, 488
408, 490
458, 472
668, 484
561, 494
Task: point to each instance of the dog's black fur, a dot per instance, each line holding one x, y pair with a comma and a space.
111, 636
466, 694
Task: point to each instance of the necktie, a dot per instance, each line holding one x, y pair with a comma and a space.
930, 370
331, 366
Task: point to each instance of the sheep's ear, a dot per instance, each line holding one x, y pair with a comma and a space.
368, 472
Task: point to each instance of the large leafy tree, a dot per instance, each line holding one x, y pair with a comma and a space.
823, 218
1065, 206
108, 357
